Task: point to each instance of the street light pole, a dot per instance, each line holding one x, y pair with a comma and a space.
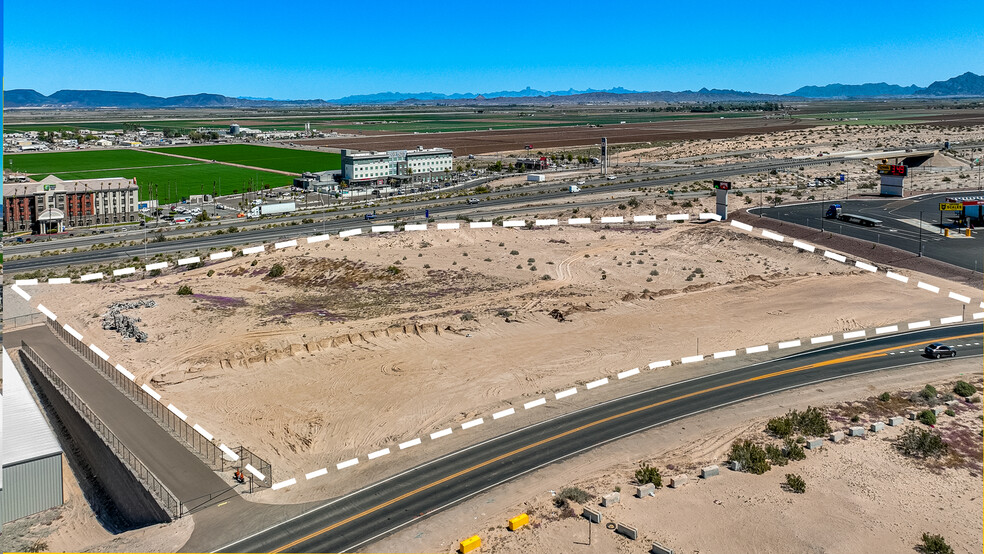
920, 233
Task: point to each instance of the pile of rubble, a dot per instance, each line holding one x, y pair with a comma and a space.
126, 325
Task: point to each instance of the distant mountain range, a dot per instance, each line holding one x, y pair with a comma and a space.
966, 85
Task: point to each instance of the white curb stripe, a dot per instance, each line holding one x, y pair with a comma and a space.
448, 226
579, 220
472, 423
613, 219
707, 215
889, 329
20, 292
350, 233
318, 238
408, 444
201, 431
282, 484
60, 281
253, 250
192, 260
757, 349
834, 256
598, 383
99, 352
504, 413
930, 288
71, 331
819, 340
513, 223
256, 472
628, 373
124, 271
663, 363
146, 388
725, 354
677, 217
897, 277
156, 266
545, 222
416, 227
347, 463
439, 434
126, 373
867, 267
644, 218
854, 334
742, 226
770, 235
177, 412
960, 297
789, 344
285, 244
228, 451
953, 319
220, 255
25, 282
979, 315
534, 403
91, 277
565, 393
691, 359
920, 324
382, 228
378, 453
480, 225
804, 246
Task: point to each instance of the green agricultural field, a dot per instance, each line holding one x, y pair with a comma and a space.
180, 181
84, 160
281, 159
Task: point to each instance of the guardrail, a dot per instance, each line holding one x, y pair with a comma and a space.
167, 500
207, 450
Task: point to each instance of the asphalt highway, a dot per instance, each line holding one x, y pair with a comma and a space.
348, 523
491, 205
907, 224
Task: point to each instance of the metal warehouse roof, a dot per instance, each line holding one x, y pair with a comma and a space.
26, 435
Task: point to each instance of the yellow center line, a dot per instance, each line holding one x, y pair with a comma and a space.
851, 358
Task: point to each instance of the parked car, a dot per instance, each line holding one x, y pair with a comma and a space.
939, 350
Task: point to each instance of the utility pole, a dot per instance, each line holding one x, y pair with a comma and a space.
822, 214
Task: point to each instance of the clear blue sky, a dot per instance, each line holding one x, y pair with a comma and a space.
302, 50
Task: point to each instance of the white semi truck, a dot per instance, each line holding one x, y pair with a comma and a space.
271, 209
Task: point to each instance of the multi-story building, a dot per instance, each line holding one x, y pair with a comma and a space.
405, 165
51, 205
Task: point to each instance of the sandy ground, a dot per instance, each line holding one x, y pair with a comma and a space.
862, 496
343, 355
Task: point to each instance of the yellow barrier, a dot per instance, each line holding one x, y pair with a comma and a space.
470, 544
946, 232
968, 232
518, 521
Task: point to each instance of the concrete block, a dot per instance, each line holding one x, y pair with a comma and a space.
855, 431
660, 549
470, 544
876, 426
953, 402
734, 466
814, 444
938, 410
593, 516
610, 499
518, 521
623, 529
912, 415
837, 436
895, 421
648, 489
678, 481
709, 471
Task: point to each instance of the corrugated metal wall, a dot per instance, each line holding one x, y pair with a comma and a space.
31, 487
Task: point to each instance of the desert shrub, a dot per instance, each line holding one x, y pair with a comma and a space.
927, 417
884, 397
811, 422
427, 266
751, 457
964, 389
467, 316
781, 427
775, 455
795, 483
503, 313
253, 263
575, 494
648, 474
546, 278
184, 290
794, 451
530, 260
210, 273
514, 253
155, 273
950, 412
393, 270
934, 544
928, 392
921, 443
276, 271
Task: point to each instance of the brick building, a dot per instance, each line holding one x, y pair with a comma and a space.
52, 205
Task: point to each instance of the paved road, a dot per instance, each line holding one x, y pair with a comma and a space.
182, 472
905, 223
492, 205
365, 515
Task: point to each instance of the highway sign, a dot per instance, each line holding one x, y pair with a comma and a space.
951, 207
722, 185
889, 169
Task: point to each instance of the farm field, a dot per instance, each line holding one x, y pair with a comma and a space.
178, 181
281, 159
49, 163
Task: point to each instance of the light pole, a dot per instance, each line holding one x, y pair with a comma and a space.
822, 214
920, 233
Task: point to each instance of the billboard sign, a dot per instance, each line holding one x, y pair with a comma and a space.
890, 169
722, 185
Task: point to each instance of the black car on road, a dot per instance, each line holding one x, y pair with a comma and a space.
939, 350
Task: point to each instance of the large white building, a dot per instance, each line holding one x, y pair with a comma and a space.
412, 165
